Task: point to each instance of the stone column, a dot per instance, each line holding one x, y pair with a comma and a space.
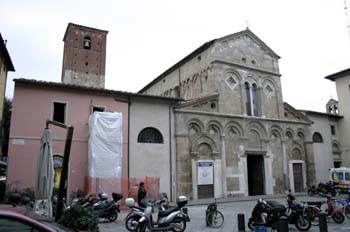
223, 167
285, 165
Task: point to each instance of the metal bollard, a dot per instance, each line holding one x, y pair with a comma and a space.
283, 224
241, 223
322, 218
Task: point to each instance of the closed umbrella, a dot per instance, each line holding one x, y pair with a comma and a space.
45, 176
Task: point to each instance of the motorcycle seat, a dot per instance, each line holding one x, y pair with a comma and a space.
166, 212
138, 207
315, 202
104, 206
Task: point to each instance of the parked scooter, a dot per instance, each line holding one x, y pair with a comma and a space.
172, 218
337, 214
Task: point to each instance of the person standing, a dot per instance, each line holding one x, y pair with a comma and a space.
141, 194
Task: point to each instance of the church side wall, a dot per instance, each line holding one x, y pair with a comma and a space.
342, 86
189, 79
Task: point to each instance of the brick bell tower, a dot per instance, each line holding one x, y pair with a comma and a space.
84, 56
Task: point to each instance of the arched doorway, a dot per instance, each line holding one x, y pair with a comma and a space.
205, 172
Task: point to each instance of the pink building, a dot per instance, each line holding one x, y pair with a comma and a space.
36, 101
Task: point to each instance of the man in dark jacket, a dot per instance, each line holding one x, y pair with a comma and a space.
141, 194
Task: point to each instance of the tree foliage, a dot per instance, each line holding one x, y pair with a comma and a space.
5, 125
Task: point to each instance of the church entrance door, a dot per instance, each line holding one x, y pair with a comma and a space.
298, 177
256, 175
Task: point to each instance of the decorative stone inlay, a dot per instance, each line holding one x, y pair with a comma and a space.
231, 82
268, 90
232, 183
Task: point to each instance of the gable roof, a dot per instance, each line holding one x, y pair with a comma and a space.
321, 113
296, 113
342, 73
197, 100
331, 101
203, 48
255, 38
6, 55
91, 89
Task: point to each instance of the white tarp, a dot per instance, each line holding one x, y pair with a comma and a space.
205, 172
105, 145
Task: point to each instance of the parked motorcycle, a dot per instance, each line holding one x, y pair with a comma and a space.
131, 220
268, 214
172, 218
297, 213
324, 189
107, 210
337, 214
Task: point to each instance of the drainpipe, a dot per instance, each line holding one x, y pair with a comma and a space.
171, 156
129, 103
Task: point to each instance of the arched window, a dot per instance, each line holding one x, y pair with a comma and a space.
317, 138
252, 99
150, 135
248, 98
335, 149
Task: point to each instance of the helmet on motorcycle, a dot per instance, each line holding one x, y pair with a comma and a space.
103, 196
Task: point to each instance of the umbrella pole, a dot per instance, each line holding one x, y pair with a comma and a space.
64, 174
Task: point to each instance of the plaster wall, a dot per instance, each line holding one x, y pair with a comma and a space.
322, 151
342, 87
152, 159
32, 105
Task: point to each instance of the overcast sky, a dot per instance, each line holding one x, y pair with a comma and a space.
146, 37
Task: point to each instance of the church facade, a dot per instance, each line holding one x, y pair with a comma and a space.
234, 134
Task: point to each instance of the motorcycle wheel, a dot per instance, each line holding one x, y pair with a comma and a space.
303, 223
251, 224
180, 224
141, 227
129, 223
112, 216
312, 213
310, 192
347, 211
338, 217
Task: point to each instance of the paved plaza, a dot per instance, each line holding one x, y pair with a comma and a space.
230, 209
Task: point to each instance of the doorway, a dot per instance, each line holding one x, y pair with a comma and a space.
298, 177
205, 179
256, 175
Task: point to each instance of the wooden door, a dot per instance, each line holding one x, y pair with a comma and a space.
298, 177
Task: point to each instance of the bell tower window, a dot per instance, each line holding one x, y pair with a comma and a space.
87, 42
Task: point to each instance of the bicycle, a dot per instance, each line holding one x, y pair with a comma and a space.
214, 218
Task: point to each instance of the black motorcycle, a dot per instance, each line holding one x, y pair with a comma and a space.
297, 215
267, 214
108, 210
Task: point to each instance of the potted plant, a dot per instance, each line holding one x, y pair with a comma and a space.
79, 218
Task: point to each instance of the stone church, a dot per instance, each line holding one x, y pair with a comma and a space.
234, 134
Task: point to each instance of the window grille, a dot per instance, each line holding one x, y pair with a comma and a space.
150, 135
